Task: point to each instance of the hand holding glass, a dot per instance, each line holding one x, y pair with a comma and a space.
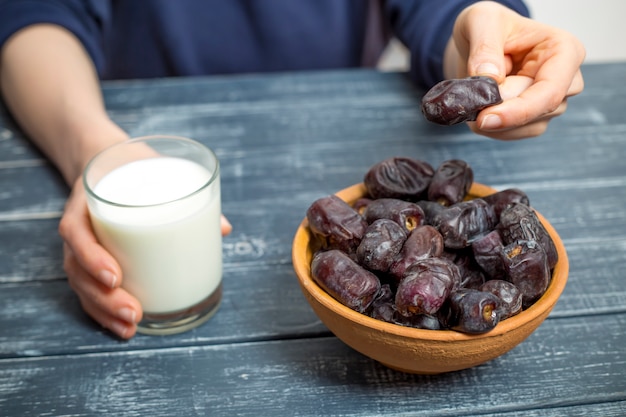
155, 205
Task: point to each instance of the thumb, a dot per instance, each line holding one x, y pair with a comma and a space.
486, 56
484, 33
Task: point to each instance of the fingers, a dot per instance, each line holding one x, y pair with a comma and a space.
113, 308
528, 130
226, 226
75, 229
480, 34
93, 273
537, 68
526, 109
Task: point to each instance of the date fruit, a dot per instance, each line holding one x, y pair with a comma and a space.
505, 198
345, 280
383, 307
426, 286
423, 242
462, 223
418, 321
431, 211
408, 215
487, 254
459, 100
335, 224
510, 296
520, 222
471, 274
451, 182
380, 245
415, 251
526, 266
472, 311
399, 177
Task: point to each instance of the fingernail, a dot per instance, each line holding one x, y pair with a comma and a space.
108, 278
491, 122
119, 329
127, 314
487, 69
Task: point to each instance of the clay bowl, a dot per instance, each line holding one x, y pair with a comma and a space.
415, 350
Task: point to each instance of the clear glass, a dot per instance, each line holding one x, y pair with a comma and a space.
155, 205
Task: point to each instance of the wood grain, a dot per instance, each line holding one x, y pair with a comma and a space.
285, 140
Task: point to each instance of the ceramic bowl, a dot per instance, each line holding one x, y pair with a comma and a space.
415, 350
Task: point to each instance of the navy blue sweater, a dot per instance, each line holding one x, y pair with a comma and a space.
159, 38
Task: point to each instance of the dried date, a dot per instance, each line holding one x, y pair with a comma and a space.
505, 198
335, 224
487, 253
380, 245
459, 100
472, 311
510, 296
406, 214
418, 321
464, 222
345, 280
383, 307
423, 242
431, 210
520, 222
426, 286
526, 266
471, 274
450, 263
451, 182
399, 177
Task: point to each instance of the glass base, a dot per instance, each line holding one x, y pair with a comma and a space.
161, 324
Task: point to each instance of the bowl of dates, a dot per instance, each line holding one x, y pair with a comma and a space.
426, 271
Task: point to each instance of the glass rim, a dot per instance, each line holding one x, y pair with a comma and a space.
90, 191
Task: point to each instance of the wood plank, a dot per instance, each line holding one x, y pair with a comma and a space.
254, 359
330, 143
566, 363
264, 226
612, 409
261, 302
593, 226
259, 288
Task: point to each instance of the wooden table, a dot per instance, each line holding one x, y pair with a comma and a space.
285, 140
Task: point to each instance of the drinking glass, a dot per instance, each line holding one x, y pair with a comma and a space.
155, 205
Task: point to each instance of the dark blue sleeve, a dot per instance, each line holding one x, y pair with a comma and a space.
85, 19
425, 26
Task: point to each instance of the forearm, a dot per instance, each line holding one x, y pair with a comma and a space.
49, 84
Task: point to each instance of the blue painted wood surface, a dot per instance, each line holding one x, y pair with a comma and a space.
283, 141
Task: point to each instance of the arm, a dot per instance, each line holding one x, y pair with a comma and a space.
49, 84
536, 66
425, 26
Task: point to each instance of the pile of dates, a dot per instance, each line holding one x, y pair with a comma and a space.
415, 251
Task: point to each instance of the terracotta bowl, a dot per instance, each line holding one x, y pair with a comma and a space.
415, 350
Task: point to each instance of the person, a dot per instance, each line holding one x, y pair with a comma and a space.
54, 52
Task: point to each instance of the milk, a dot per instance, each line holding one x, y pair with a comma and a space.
163, 228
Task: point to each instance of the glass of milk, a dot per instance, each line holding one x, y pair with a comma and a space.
155, 206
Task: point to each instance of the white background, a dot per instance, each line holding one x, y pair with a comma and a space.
599, 24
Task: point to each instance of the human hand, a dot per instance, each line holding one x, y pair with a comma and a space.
537, 68
94, 274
